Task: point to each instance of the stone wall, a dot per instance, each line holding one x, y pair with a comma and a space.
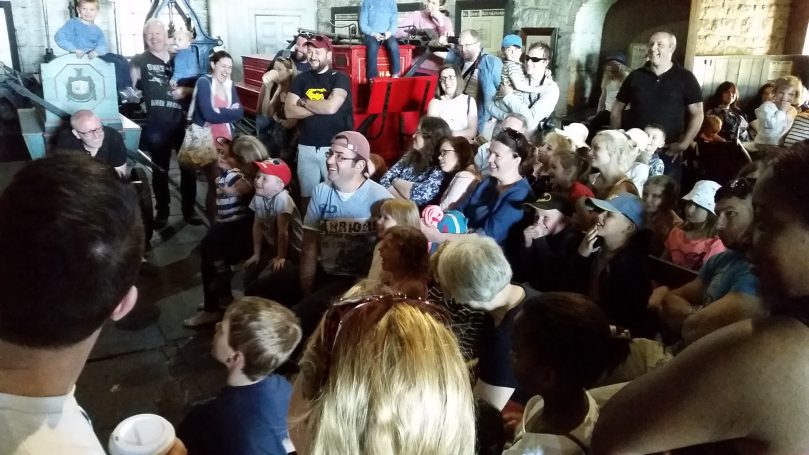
751, 27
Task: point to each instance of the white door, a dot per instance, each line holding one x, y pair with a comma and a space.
272, 31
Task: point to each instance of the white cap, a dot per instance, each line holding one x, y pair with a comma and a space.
639, 136
577, 132
703, 194
142, 434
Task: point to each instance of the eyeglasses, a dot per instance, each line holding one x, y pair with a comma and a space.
461, 46
446, 78
96, 131
525, 58
444, 152
743, 184
340, 157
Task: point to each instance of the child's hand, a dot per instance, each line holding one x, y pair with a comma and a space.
507, 89
656, 299
92, 54
588, 243
252, 260
278, 263
79, 53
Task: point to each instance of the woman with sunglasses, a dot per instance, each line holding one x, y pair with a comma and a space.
451, 104
414, 397
495, 205
535, 107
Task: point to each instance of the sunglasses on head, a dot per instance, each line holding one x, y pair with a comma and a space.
343, 309
525, 58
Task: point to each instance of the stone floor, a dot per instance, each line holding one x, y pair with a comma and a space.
147, 362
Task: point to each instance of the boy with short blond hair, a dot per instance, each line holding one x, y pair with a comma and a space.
81, 36
249, 416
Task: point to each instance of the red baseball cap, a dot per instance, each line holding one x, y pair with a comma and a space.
277, 168
320, 42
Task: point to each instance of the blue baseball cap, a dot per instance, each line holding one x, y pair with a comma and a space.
626, 204
512, 40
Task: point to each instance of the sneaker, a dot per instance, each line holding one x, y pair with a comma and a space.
202, 319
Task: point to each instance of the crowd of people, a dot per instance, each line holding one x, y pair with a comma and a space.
498, 289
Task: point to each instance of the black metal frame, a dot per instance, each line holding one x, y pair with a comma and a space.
507, 6
12, 35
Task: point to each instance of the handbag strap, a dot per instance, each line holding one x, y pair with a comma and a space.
190, 115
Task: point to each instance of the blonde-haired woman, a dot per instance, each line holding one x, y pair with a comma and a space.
612, 153
414, 398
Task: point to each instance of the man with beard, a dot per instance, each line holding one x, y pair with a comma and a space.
321, 100
744, 385
726, 291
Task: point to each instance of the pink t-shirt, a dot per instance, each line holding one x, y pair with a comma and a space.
691, 253
220, 129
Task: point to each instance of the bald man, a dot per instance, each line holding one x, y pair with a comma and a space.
88, 135
661, 92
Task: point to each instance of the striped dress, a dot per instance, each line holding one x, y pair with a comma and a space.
230, 207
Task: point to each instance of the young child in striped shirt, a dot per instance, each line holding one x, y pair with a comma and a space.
513, 75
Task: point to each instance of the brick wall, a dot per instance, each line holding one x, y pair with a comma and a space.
731, 27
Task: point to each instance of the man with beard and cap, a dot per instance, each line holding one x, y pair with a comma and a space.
743, 386
321, 100
726, 290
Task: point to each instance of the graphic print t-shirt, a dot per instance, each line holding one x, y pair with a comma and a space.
317, 130
155, 75
347, 235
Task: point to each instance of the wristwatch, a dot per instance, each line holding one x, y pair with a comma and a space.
301, 102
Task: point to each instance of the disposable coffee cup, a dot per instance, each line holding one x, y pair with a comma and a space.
142, 434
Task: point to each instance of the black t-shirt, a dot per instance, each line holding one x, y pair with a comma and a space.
112, 151
318, 130
494, 355
660, 99
155, 75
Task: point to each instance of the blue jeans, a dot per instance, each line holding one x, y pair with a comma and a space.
373, 49
123, 78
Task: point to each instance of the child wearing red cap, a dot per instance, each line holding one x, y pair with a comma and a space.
277, 236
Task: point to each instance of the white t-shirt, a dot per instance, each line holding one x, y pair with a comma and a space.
268, 209
553, 444
49, 425
343, 220
454, 111
638, 173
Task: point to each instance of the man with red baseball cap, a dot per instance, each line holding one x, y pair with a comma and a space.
321, 100
338, 235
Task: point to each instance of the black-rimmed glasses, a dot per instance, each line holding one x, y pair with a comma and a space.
98, 130
339, 156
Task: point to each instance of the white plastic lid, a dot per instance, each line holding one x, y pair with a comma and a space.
142, 434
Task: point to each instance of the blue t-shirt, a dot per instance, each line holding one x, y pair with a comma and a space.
727, 272
343, 220
245, 420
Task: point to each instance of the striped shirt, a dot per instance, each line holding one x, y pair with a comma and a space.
230, 207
